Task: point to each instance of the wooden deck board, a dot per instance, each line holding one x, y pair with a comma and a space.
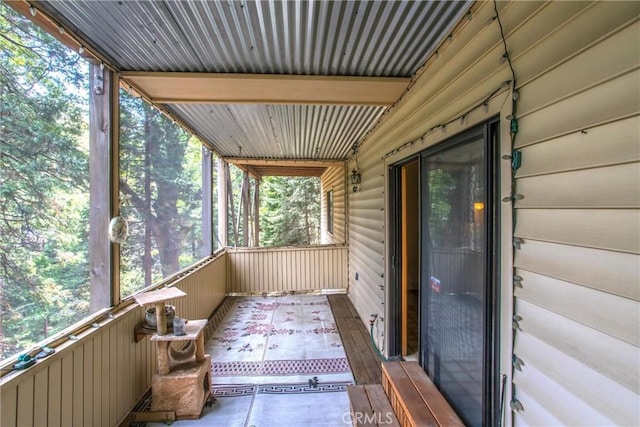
382, 408
365, 364
370, 406
439, 407
410, 402
360, 406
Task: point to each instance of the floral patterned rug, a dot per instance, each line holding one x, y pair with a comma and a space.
287, 339
276, 361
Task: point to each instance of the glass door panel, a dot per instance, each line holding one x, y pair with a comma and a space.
454, 273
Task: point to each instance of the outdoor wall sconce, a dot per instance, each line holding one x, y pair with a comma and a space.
355, 179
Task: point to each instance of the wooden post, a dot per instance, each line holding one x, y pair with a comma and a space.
207, 203
161, 318
164, 364
200, 347
103, 135
231, 204
112, 81
256, 214
245, 211
223, 234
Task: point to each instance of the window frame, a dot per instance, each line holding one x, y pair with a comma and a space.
330, 212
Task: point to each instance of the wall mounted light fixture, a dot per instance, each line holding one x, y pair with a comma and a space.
355, 179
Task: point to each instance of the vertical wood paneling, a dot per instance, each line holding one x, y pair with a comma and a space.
40, 414
87, 388
96, 403
8, 405
287, 269
137, 374
25, 402
55, 393
123, 363
110, 375
96, 380
66, 412
78, 386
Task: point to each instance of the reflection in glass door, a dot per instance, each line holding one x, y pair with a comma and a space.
457, 297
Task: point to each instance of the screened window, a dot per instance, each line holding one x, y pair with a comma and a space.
161, 195
44, 185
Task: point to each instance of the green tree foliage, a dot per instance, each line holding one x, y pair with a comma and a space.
44, 191
44, 276
44, 188
160, 173
441, 187
290, 211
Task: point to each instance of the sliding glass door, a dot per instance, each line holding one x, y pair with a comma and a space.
457, 275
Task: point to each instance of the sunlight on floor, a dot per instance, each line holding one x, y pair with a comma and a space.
277, 361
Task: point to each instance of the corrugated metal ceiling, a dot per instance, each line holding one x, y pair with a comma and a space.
281, 131
353, 38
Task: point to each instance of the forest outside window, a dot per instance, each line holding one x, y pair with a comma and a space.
160, 193
51, 226
44, 186
290, 211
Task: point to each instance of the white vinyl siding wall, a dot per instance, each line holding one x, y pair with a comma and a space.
577, 67
579, 221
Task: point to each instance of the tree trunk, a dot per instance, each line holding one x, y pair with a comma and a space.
2, 311
232, 206
256, 213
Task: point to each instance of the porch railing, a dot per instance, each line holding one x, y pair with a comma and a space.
287, 269
98, 377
